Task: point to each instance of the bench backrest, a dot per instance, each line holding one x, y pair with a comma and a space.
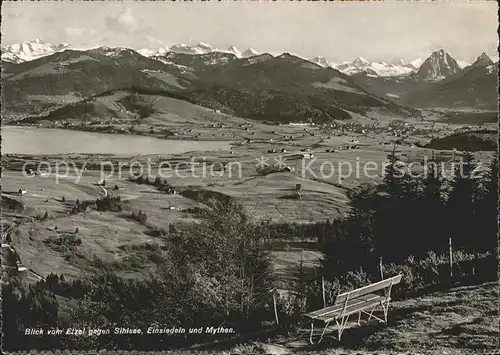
368, 289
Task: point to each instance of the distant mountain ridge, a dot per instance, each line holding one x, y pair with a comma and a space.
361, 65
475, 86
27, 51
439, 83
281, 88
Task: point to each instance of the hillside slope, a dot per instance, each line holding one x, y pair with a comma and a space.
262, 87
137, 105
43, 84
288, 88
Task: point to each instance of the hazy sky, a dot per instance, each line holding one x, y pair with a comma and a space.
338, 31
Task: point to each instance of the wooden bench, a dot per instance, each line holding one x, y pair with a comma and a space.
362, 300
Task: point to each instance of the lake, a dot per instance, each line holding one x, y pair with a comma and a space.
40, 141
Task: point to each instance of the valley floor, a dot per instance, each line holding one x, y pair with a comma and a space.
324, 181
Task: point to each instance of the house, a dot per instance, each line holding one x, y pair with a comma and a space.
22, 191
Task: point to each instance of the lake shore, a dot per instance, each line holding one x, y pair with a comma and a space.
117, 129
29, 140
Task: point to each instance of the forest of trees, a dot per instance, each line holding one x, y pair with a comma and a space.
219, 272
412, 216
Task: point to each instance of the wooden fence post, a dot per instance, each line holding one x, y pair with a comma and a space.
451, 257
381, 267
323, 289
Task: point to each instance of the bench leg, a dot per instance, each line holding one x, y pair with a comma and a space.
359, 318
385, 306
323, 333
341, 326
370, 315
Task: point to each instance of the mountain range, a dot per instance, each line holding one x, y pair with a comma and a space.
26, 51
440, 82
278, 88
284, 88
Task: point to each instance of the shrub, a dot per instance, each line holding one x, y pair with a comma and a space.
109, 203
139, 217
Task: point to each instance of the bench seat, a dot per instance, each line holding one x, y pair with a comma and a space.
363, 300
353, 306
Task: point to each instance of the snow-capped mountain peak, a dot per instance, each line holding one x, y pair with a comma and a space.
362, 65
26, 51
234, 51
398, 61
114, 52
250, 52
416, 63
360, 61
322, 61
148, 52
462, 63
233, 48
204, 46
184, 49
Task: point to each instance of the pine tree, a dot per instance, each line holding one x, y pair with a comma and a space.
301, 286
391, 175
488, 220
431, 210
462, 202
